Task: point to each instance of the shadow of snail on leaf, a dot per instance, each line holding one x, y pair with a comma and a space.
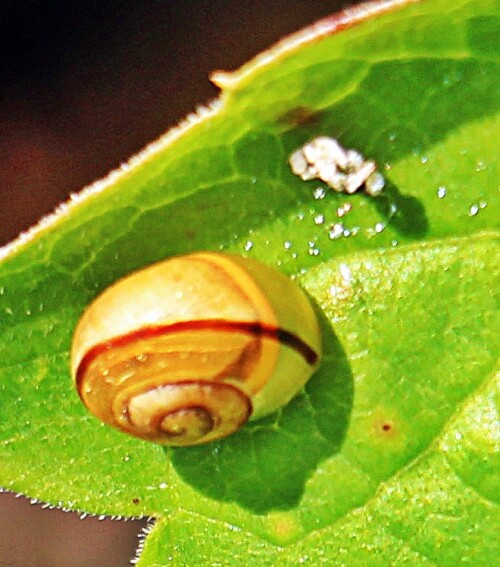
265, 465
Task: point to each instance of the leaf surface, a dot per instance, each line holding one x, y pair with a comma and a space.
390, 454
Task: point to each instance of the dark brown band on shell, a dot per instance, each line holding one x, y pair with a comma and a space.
254, 329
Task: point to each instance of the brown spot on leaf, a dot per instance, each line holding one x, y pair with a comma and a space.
301, 116
387, 427
384, 428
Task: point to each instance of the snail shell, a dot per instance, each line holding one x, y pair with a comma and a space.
187, 350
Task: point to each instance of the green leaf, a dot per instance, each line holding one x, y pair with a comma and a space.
390, 454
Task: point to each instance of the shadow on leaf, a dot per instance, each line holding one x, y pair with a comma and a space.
406, 214
266, 464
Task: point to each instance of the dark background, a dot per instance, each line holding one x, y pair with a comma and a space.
83, 85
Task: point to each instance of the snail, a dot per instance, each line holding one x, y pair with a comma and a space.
187, 350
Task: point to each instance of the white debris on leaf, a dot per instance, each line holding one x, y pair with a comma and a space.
344, 170
359, 176
374, 184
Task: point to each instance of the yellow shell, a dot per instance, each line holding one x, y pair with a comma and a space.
187, 350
